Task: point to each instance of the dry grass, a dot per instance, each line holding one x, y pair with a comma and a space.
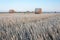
29, 26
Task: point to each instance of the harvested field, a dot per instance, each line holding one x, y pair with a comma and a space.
30, 26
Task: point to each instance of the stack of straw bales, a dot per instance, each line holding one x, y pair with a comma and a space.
11, 11
38, 11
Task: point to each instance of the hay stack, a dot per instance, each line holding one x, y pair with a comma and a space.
11, 11
38, 11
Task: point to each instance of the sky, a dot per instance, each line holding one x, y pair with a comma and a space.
29, 5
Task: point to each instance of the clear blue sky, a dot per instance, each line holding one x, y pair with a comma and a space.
24, 5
